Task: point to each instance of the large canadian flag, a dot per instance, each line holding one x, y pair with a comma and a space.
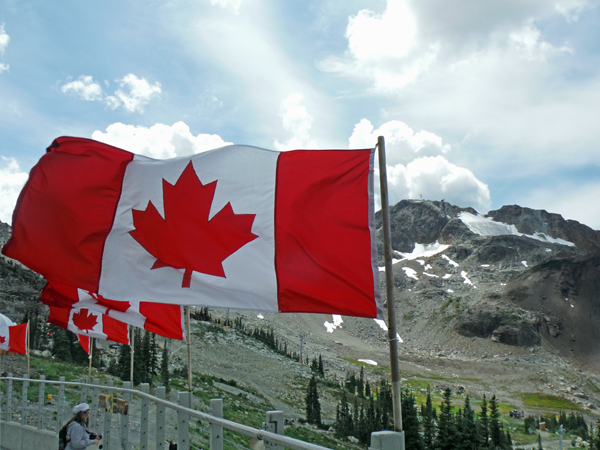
160, 318
85, 322
236, 227
13, 337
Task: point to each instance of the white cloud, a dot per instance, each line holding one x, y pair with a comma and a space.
402, 144
233, 4
4, 38
134, 95
297, 121
528, 43
159, 141
435, 178
382, 48
411, 39
416, 167
84, 88
139, 93
12, 181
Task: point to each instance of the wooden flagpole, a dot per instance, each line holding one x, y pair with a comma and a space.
389, 282
91, 344
189, 347
27, 346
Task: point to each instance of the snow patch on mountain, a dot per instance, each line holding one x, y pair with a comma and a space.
337, 323
410, 273
484, 226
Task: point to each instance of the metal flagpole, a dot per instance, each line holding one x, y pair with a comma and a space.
90, 357
131, 353
189, 347
389, 281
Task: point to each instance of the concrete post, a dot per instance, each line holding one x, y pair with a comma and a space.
144, 418
84, 392
160, 419
216, 431
183, 421
94, 412
107, 418
9, 399
387, 440
274, 424
41, 401
59, 404
24, 400
124, 417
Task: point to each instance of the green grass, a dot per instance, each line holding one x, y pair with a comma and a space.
315, 437
590, 384
549, 401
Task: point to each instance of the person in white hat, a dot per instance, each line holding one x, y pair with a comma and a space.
77, 436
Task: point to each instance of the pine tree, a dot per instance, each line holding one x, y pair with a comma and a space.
367, 389
164, 367
494, 424
313, 406
410, 423
540, 442
343, 422
124, 363
470, 439
596, 438
61, 348
428, 422
139, 369
321, 368
484, 427
445, 438
361, 382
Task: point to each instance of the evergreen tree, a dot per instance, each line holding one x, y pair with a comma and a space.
124, 363
313, 406
343, 422
153, 364
484, 426
428, 422
164, 367
540, 442
508, 444
139, 366
61, 349
470, 439
410, 423
445, 438
361, 382
367, 389
494, 424
595, 445
321, 368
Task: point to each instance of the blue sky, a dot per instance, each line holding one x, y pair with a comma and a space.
482, 103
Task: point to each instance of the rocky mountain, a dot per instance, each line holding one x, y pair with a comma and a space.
509, 299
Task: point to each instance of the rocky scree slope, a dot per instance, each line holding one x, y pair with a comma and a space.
475, 297
530, 281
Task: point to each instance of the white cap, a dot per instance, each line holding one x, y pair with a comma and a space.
81, 407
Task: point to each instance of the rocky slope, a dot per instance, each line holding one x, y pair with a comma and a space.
507, 301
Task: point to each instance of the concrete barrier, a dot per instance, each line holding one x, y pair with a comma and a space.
14, 436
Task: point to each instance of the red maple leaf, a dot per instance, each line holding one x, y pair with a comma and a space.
84, 320
117, 305
186, 238
2, 339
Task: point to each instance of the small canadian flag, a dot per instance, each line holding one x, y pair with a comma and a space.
82, 321
13, 337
